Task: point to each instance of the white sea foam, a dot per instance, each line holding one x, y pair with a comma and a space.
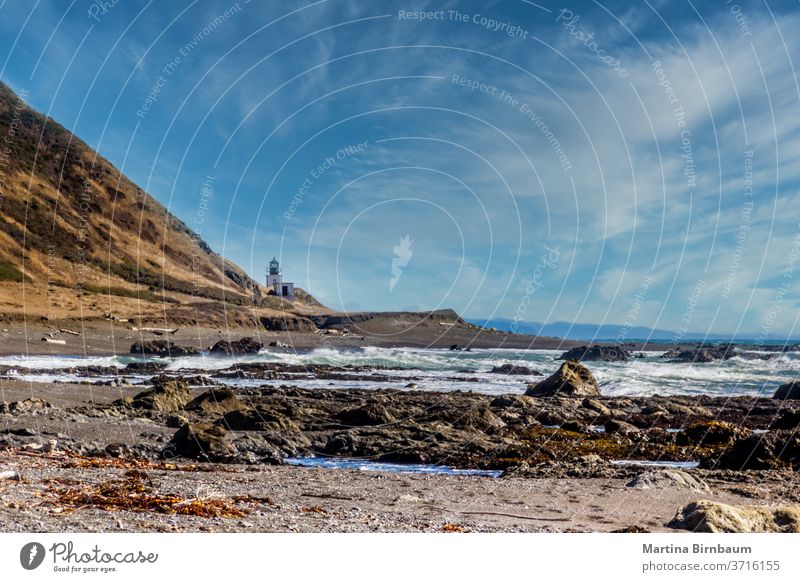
445, 370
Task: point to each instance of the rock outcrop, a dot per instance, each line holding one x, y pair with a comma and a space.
373, 414
710, 433
246, 345
772, 450
201, 440
596, 353
289, 323
166, 395
30, 406
701, 355
669, 479
571, 379
713, 517
216, 401
788, 391
513, 369
162, 348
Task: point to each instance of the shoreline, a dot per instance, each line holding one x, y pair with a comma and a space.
114, 339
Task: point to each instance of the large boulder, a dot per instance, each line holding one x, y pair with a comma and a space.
372, 414
289, 323
713, 517
596, 353
201, 440
162, 348
701, 355
788, 419
261, 418
620, 427
513, 369
246, 345
218, 401
709, 433
571, 379
669, 479
788, 391
772, 450
166, 395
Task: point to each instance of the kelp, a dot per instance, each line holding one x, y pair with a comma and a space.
137, 492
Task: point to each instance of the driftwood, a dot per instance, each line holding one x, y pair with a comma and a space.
111, 317
54, 341
156, 330
69, 331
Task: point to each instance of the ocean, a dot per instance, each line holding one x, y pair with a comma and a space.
445, 370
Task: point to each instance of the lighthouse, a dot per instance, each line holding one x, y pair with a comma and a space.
276, 284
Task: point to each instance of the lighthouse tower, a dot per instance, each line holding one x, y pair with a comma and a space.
275, 282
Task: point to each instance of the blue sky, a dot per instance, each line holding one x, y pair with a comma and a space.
591, 162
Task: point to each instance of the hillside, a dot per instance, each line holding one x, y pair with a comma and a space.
80, 240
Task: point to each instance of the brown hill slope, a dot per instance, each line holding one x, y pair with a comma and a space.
78, 239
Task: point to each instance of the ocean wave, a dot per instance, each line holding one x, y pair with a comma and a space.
445, 370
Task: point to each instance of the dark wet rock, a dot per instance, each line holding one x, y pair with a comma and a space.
788, 391
372, 414
119, 450
263, 450
279, 344
166, 395
216, 401
551, 417
699, 355
260, 418
614, 426
788, 419
510, 401
479, 418
771, 450
246, 345
346, 443
669, 479
162, 348
175, 420
576, 426
571, 379
659, 436
714, 517
709, 433
203, 441
596, 353
596, 406
678, 409
512, 369
30, 406
289, 323
145, 367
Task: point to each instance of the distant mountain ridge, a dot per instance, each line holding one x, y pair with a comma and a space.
591, 331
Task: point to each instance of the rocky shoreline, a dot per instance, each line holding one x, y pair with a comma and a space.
561, 429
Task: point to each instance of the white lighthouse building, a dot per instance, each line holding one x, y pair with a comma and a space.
275, 282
